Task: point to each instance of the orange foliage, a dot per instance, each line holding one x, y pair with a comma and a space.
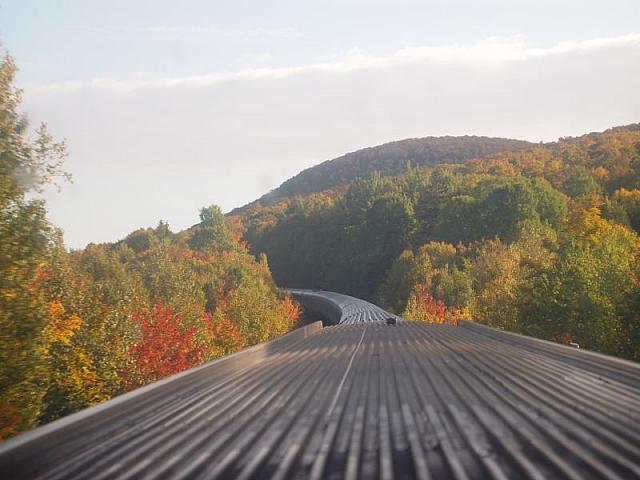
292, 310
601, 174
9, 420
238, 228
62, 329
224, 336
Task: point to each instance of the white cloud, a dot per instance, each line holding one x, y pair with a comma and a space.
255, 58
489, 52
258, 32
149, 148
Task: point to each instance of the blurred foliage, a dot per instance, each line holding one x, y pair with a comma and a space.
28, 162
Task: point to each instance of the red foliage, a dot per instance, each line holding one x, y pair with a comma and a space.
433, 309
564, 338
165, 346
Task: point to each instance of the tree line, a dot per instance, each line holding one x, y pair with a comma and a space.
389, 159
542, 241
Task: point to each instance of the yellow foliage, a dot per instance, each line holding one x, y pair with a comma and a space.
628, 198
587, 223
62, 329
454, 315
624, 193
72, 370
601, 174
79, 379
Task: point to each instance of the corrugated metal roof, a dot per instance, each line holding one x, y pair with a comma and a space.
368, 400
348, 309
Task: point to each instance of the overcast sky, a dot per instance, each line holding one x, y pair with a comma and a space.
169, 106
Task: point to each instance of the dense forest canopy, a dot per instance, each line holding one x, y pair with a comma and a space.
80, 327
542, 240
390, 159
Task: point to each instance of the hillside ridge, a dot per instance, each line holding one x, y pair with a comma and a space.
388, 159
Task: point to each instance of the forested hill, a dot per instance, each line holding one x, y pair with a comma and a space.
388, 160
544, 241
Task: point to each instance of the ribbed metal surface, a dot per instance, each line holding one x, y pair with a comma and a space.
351, 310
369, 400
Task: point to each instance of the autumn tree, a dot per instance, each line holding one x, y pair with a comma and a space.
422, 306
590, 294
222, 336
433, 267
73, 380
164, 347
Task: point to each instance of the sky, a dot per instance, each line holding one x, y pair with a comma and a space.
169, 106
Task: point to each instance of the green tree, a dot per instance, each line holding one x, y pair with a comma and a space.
213, 232
590, 294
453, 286
581, 184
389, 225
399, 280
629, 201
